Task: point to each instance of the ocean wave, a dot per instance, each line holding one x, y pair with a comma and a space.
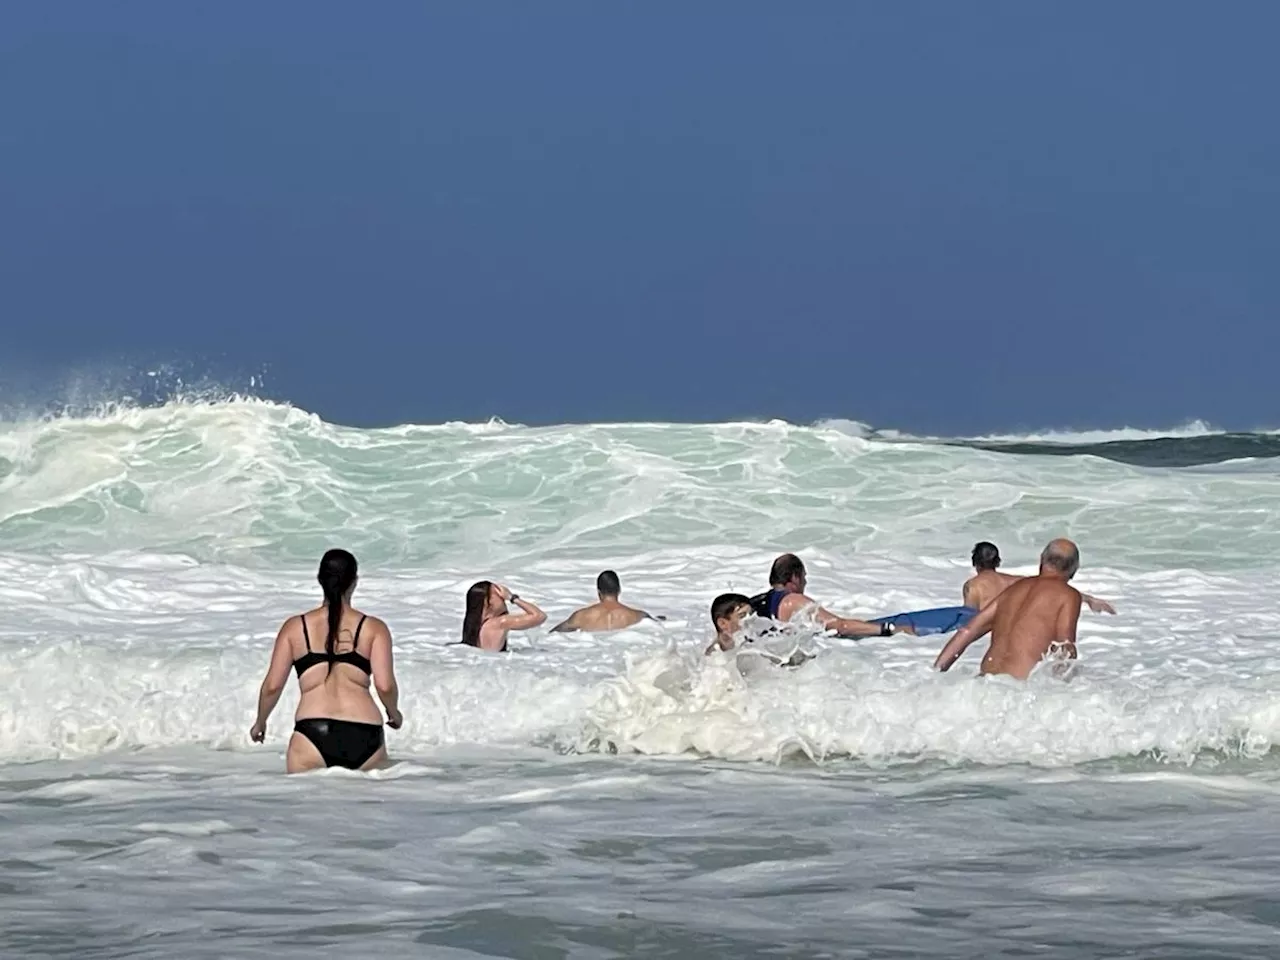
73, 700
259, 483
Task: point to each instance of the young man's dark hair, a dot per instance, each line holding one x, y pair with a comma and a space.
985, 556
607, 584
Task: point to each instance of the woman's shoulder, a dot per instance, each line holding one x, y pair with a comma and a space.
369, 622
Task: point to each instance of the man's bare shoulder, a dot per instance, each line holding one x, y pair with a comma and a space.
792, 603
1021, 587
587, 617
1047, 587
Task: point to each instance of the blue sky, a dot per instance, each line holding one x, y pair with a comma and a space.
929, 216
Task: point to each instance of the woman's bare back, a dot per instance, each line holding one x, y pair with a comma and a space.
339, 690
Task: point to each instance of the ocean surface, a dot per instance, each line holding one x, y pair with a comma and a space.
623, 795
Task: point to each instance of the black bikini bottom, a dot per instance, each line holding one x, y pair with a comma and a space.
342, 743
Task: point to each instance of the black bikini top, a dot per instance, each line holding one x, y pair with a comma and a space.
312, 657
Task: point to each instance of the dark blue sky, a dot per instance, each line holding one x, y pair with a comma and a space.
930, 216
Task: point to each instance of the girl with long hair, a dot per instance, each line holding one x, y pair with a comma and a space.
488, 619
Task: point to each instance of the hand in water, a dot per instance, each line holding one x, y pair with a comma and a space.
258, 732
394, 719
1099, 606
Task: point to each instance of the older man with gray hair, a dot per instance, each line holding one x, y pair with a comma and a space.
1030, 619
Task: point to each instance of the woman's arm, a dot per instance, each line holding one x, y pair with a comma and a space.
384, 675
273, 683
531, 617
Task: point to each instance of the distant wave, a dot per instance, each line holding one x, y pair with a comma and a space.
255, 481
1184, 451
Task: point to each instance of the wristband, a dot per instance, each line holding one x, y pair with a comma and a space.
886, 629
514, 596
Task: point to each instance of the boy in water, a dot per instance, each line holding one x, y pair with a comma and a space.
727, 613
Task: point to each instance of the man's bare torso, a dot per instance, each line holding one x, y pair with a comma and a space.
1033, 616
603, 617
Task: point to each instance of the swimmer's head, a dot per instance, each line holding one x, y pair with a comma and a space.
986, 556
788, 571
337, 577
1062, 557
727, 611
607, 585
484, 600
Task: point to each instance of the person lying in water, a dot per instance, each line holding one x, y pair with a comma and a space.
727, 613
337, 724
1029, 620
605, 615
785, 598
988, 582
487, 620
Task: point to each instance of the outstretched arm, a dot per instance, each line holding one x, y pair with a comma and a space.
568, 625
1096, 605
843, 626
975, 629
273, 683
856, 629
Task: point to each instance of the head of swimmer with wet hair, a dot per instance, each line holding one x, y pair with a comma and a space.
788, 573
727, 613
986, 556
1060, 558
608, 587
483, 601
488, 619
337, 576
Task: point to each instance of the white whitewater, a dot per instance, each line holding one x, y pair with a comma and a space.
624, 795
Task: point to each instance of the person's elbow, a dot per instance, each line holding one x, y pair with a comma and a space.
272, 687
539, 619
386, 686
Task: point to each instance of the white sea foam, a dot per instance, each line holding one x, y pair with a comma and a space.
106, 655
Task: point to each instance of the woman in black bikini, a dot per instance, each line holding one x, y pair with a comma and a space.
337, 722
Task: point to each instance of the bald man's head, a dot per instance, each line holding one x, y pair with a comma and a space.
1061, 557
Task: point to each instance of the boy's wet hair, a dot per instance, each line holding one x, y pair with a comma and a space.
723, 605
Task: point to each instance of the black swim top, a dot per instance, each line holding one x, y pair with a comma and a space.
766, 604
312, 657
